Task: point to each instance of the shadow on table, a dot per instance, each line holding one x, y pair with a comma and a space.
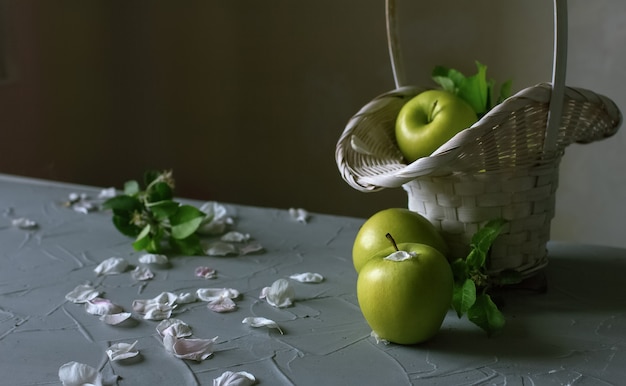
583, 304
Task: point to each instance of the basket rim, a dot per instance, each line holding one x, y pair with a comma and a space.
395, 172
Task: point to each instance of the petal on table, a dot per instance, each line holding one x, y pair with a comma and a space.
173, 327
151, 258
222, 304
240, 378
235, 237
82, 294
210, 294
194, 349
115, 319
111, 266
120, 351
206, 272
299, 214
79, 374
280, 294
307, 277
101, 306
258, 321
141, 273
220, 248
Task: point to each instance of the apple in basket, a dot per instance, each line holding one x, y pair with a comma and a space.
405, 226
429, 120
405, 296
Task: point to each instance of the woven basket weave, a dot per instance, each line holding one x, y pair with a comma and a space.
504, 166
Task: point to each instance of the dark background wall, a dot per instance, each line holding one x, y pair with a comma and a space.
245, 100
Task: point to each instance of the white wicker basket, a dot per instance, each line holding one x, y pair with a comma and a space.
504, 166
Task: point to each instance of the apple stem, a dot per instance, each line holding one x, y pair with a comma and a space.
431, 116
388, 235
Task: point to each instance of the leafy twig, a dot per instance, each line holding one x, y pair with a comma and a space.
472, 283
153, 217
476, 90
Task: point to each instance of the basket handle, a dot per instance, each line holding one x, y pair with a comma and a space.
558, 65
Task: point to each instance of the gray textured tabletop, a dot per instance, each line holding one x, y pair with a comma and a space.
574, 334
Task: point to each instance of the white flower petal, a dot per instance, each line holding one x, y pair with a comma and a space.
235, 237
261, 322
222, 304
111, 266
74, 197
229, 378
107, 193
119, 351
165, 298
84, 207
378, 339
206, 272
220, 248
299, 214
186, 297
158, 308
250, 248
141, 273
101, 306
401, 256
307, 277
280, 294
210, 294
151, 258
82, 294
114, 319
194, 349
158, 312
24, 223
216, 220
79, 374
174, 327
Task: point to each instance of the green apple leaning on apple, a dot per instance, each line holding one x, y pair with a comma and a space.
406, 295
429, 120
406, 227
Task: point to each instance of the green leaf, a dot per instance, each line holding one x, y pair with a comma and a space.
449, 79
131, 188
143, 238
122, 203
476, 259
185, 221
463, 297
189, 245
159, 191
123, 225
486, 315
475, 89
460, 271
163, 209
484, 238
155, 245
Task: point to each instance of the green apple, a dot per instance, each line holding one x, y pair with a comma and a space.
429, 120
406, 227
406, 295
